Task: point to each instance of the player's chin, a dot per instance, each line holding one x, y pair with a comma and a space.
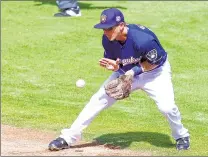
112, 38
109, 37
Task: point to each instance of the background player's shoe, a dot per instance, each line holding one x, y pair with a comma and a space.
183, 143
71, 12
58, 144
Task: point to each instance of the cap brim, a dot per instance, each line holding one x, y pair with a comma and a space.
103, 26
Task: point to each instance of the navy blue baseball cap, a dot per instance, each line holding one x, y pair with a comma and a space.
109, 18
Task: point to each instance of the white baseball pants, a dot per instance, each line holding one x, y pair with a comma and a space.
156, 83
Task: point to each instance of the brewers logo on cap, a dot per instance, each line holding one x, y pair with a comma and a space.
103, 18
118, 18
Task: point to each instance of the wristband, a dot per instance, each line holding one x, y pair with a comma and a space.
137, 70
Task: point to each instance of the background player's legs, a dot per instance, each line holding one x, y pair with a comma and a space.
158, 86
68, 8
97, 103
65, 4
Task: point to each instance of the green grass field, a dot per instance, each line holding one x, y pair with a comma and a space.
42, 57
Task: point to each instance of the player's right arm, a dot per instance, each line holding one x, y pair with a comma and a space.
108, 61
110, 64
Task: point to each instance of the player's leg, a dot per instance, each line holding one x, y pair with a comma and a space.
97, 103
158, 85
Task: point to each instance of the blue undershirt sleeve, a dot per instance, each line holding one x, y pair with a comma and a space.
137, 70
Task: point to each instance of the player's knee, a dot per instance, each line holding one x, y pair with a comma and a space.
167, 109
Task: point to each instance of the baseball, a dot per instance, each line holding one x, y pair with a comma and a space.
80, 83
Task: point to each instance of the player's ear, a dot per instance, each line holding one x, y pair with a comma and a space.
122, 25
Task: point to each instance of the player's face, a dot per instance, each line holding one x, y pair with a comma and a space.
112, 33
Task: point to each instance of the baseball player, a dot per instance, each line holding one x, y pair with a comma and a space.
138, 61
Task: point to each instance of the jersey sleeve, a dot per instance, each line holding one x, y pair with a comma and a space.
152, 52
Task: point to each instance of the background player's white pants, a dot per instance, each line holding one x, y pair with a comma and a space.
156, 83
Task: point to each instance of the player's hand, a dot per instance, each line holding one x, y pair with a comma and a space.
110, 64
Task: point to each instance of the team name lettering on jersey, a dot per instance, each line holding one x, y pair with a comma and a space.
131, 60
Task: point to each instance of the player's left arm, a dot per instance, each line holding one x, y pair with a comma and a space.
152, 56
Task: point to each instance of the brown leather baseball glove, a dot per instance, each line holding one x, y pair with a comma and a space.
120, 87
